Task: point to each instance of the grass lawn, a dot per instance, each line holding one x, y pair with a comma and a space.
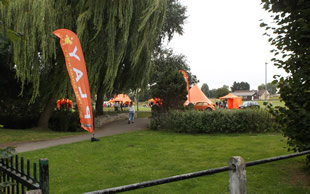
23, 135
147, 155
275, 102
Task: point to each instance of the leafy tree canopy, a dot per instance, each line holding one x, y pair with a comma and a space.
171, 88
212, 93
222, 91
109, 31
240, 86
168, 60
174, 21
165, 81
205, 89
271, 88
291, 37
117, 37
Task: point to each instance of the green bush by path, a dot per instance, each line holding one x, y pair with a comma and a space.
63, 120
148, 155
219, 121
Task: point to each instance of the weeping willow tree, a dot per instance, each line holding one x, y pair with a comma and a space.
126, 43
117, 38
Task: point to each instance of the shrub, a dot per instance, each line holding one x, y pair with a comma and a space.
18, 121
65, 121
219, 121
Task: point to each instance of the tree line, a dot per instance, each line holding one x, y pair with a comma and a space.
222, 91
121, 42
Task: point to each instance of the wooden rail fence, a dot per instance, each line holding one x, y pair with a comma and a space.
237, 175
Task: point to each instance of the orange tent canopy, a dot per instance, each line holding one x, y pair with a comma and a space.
230, 95
197, 95
120, 98
233, 101
154, 100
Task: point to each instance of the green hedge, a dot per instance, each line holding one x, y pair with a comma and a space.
65, 121
219, 121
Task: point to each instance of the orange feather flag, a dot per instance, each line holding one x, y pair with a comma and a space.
186, 79
75, 63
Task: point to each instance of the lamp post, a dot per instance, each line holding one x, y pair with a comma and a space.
266, 86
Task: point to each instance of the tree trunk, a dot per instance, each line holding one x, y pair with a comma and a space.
99, 102
47, 113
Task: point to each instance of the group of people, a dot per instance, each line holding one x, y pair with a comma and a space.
221, 104
118, 105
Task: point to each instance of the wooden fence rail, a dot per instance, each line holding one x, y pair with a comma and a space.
236, 168
17, 173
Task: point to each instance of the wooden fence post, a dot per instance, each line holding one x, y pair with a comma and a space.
43, 163
237, 176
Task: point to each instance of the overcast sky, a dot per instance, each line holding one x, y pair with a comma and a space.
223, 42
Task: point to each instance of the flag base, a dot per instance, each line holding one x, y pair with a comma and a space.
92, 139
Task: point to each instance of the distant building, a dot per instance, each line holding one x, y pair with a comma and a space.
246, 94
262, 94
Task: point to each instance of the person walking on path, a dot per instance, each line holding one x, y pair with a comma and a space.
131, 117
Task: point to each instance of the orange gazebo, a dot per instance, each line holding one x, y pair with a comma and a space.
233, 101
121, 98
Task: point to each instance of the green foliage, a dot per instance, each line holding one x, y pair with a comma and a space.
145, 94
205, 89
219, 121
4, 45
5, 2
167, 60
240, 86
190, 106
117, 37
212, 93
221, 91
15, 112
271, 88
291, 37
123, 31
295, 126
6, 153
18, 121
174, 20
171, 88
167, 83
65, 121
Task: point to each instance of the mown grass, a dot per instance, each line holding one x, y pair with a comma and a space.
147, 155
35, 134
275, 102
143, 114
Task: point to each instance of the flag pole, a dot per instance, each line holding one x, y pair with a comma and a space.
92, 139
